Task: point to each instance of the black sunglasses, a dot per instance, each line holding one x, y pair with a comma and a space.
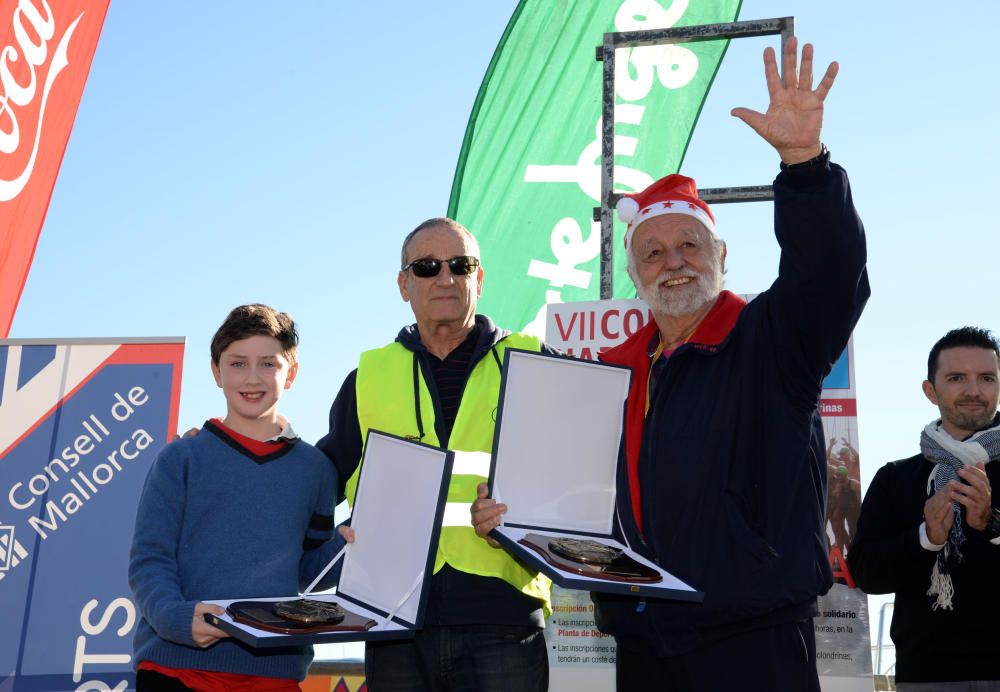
462, 265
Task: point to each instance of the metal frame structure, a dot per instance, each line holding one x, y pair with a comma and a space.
785, 26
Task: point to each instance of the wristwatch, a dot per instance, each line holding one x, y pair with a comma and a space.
992, 529
815, 162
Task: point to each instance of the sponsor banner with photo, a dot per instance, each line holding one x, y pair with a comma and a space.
80, 423
843, 649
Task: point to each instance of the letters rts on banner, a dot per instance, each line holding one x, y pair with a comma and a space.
80, 424
45, 53
843, 648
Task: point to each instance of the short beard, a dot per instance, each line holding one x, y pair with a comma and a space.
704, 289
969, 422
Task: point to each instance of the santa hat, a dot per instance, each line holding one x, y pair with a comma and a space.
674, 194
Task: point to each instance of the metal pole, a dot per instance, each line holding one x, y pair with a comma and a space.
606, 53
786, 33
881, 623
608, 168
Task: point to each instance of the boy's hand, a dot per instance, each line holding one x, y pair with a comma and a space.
204, 634
347, 532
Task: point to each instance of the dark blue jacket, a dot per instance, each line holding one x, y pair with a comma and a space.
932, 645
732, 463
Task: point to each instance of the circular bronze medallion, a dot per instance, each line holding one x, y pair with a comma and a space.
305, 610
582, 550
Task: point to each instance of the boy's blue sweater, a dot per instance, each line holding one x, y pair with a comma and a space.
217, 522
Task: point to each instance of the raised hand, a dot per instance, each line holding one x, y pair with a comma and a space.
794, 117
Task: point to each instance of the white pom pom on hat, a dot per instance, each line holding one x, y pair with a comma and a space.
672, 194
627, 208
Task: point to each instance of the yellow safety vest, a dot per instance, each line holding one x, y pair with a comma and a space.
385, 396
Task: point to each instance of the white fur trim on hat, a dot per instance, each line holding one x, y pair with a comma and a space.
667, 207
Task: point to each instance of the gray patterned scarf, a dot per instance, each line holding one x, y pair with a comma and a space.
949, 455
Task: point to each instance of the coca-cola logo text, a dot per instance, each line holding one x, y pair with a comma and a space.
21, 67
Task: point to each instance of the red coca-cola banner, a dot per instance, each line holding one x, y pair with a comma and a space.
46, 47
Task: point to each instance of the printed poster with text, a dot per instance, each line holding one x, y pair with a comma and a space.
843, 648
80, 423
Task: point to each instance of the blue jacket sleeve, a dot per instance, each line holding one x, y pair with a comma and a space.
153, 570
822, 283
322, 541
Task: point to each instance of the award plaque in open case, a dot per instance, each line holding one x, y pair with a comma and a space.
555, 457
382, 589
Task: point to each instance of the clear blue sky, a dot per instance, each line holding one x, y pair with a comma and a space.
229, 152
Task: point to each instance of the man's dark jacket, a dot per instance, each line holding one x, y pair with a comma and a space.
731, 457
886, 557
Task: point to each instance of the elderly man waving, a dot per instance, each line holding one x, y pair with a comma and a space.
723, 480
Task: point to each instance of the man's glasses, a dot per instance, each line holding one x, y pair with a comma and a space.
428, 267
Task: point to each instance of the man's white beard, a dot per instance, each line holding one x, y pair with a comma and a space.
686, 299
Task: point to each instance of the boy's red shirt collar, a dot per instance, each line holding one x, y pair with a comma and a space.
257, 447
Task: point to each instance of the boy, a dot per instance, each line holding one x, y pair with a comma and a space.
242, 510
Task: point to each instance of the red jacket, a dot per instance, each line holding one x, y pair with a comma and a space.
635, 353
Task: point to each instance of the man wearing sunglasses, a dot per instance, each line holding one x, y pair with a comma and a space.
439, 383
